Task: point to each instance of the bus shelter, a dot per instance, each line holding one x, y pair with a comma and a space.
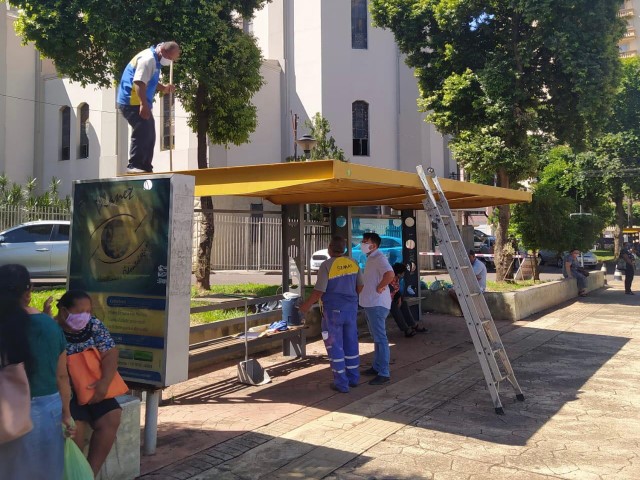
341, 186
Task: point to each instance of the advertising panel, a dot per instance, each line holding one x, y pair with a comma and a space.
120, 252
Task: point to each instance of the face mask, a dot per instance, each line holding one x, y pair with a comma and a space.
77, 321
366, 248
165, 62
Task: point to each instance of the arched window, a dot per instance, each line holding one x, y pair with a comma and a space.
359, 24
83, 116
360, 124
65, 133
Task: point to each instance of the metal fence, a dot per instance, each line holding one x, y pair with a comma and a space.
246, 241
242, 240
12, 215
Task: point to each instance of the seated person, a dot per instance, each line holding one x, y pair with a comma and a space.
399, 308
480, 272
571, 269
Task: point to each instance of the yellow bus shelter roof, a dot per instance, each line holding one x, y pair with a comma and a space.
336, 183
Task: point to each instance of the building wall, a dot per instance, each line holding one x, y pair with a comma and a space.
265, 143
17, 110
629, 44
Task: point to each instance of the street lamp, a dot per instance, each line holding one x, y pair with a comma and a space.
307, 142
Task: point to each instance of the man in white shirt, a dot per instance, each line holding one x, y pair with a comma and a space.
479, 270
376, 301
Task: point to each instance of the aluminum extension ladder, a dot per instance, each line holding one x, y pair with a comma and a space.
486, 339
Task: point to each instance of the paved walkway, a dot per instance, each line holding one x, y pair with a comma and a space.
579, 367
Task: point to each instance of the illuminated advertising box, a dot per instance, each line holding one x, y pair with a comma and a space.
130, 249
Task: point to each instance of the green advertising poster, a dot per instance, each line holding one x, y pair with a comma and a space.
119, 255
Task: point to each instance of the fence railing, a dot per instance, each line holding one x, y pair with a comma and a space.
242, 241
246, 241
12, 215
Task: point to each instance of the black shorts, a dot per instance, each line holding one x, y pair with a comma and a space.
93, 412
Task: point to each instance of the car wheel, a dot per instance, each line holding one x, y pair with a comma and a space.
559, 263
540, 260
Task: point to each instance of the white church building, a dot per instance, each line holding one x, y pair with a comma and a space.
320, 56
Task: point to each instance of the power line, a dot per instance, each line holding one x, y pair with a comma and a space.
64, 105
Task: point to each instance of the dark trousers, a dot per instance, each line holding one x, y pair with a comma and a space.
143, 137
629, 273
402, 315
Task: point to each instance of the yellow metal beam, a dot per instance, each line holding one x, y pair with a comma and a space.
332, 182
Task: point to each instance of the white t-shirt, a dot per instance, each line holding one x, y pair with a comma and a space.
375, 268
145, 66
480, 271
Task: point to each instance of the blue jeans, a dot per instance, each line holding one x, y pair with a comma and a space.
39, 455
143, 137
340, 335
376, 320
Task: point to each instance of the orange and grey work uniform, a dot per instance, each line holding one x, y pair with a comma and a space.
145, 67
338, 278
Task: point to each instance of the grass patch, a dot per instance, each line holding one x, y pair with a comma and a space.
249, 289
604, 255
509, 286
215, 316
40, 295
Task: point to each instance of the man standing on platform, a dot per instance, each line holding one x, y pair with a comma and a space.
338, 285
137, 87
376, 300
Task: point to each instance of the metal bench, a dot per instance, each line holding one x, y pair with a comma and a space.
293, 339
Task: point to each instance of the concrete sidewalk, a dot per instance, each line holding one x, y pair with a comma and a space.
579, 368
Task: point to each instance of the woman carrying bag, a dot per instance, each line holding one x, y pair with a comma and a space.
93, 402
31, 338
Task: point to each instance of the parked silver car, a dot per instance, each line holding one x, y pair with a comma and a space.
551, 257
42, 247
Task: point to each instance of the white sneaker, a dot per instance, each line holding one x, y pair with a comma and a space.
135, 170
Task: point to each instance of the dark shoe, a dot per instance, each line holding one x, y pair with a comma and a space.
410, 333
380, 380
629, 293
336, 389
420, 330
369, 371
353, 385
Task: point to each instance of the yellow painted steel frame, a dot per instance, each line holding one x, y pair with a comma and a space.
335, 183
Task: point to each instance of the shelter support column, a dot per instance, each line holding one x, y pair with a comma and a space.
410, 252
341, 224
292, 247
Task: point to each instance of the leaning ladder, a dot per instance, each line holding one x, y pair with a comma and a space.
486, 339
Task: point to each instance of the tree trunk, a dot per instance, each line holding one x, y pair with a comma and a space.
536, 267
203, 268
502, 257
620, 223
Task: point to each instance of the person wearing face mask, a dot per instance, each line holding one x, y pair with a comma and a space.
376, 301
31, 337
399, 309
83, 331
136, 90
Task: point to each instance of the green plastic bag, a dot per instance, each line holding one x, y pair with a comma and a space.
76, 466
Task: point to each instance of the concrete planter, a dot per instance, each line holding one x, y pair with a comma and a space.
518, 304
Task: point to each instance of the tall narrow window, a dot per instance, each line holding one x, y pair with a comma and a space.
360, 123
359, 24
167, 142
83, 115
65, 133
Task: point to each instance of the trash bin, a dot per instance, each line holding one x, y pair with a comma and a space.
290, 311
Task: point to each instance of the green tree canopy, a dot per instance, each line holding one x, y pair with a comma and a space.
496, 73
326, 148
216, 77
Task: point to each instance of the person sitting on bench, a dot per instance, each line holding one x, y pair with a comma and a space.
399, 308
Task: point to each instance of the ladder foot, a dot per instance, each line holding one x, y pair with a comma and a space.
520, 397
500, 411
